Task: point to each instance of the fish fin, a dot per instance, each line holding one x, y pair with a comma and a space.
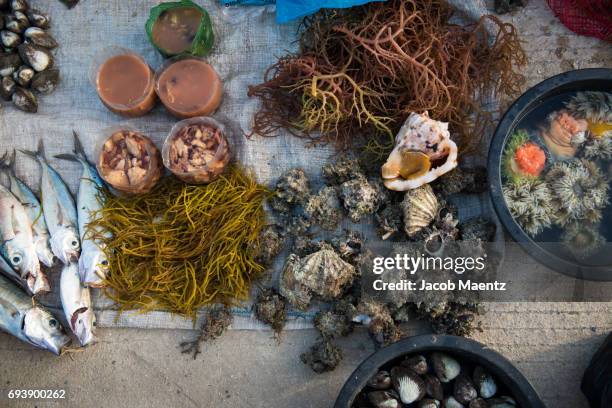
60, 216
67, 156
14, 224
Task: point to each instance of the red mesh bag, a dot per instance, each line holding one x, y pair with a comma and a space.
585, 17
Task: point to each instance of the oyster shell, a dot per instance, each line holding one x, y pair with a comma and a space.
420, 142
322, 273
323, 356
420, 207
40, 37
35, 56
46, 81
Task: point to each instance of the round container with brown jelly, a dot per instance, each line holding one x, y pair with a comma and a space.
189, 87
124, 81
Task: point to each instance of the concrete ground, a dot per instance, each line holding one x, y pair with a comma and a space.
551, 343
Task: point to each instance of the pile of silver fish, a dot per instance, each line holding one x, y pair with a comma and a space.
54, 229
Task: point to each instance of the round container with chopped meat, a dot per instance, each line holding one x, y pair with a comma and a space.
129, 161
196, 150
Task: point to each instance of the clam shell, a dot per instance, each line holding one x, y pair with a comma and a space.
446, 367
408, 384
7, 88
420, 207
20, 5
35, 56
9, 39
9, 62
23, 75
25, 100
383, 399
38, 18
40, 37
46, 81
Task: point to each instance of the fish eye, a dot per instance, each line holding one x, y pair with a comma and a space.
104, 262
53, 323
74, 244
16, 260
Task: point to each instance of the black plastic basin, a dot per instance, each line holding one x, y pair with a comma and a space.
465, 349
547, 253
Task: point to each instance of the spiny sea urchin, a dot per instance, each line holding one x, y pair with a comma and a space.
529, 203
582, 239
592, 106
579, 189
598, 148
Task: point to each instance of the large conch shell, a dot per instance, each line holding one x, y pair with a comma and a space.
420, 142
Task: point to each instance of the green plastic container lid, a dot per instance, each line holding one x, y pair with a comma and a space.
204, 37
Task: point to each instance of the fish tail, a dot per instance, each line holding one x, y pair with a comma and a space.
78, 153
39, 154
78, 146
7, 162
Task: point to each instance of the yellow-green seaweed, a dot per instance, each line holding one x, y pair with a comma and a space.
181, 246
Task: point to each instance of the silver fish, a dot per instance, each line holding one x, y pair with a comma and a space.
59, 210
22, 318
17, 242
28, 283
32, 206
93, 263
76, 302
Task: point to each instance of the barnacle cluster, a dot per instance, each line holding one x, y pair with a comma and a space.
360, 197
471, 180
271, 308
530, 204
292, 188
579, 191
324, 208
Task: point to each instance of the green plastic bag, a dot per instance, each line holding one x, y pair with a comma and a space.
204, 38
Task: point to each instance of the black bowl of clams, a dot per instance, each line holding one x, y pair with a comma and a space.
550, 173
437, 371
